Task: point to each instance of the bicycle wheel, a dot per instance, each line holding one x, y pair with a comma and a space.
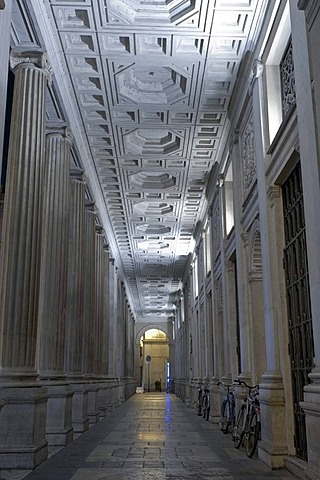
224, 417
238, 433
253, 435
207, 409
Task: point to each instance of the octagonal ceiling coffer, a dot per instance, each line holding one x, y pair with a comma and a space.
153, 245
152, 85
152, 208
139, 11
151, 142
156, 229
147, 181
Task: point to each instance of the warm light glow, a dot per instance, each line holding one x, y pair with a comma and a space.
154, 334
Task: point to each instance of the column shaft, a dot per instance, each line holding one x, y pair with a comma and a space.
53, 273
75, 295
20, 254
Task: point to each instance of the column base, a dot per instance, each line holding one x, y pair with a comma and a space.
110, 405
273, 447
27, 447
102, 399
93, 410
80, 419
59, 430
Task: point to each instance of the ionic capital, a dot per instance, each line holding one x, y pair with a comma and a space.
23, 55
59, 130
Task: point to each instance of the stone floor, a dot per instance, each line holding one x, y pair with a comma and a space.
152, 436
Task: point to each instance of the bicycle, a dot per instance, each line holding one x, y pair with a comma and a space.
200, 395
248, 425
206, 403
227, 415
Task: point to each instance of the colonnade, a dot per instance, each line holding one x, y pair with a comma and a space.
60, 289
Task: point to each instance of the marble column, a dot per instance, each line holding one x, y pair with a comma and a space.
75, 303
53, 285
100, 320
25, 400
111, 338
90, 313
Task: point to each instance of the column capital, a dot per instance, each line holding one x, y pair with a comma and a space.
59, 130
256, 73
76, 173
99, 229
89, 205
24, 55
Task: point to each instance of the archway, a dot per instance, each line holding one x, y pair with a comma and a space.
154, 359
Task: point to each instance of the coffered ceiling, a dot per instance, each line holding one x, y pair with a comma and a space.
146, 85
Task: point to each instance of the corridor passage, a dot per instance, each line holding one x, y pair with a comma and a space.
153, 436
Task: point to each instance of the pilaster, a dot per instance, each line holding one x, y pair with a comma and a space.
274, 445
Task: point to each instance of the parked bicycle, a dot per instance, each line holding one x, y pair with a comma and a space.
206, 403
200, 395
227, 414
248, 425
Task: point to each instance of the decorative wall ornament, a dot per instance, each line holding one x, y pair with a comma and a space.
216, 228
248, 156
287, 80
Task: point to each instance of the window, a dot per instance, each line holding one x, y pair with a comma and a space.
229, 207
279, 72
207, 248
195, 278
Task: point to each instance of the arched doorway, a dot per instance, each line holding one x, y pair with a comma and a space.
154, 363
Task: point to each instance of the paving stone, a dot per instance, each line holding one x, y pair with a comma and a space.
129, 444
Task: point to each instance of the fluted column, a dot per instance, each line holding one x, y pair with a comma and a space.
19, 269
99, 299
19, 275
75, 303
53, 285
76, 272
53, 271
100, 321
89, 288
90, 313
110, 331
112, 318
